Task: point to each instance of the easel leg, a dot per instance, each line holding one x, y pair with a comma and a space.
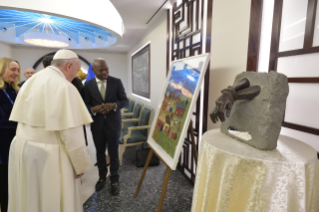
165, 184
191, 130
144, 171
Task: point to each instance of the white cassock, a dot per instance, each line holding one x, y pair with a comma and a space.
49, 149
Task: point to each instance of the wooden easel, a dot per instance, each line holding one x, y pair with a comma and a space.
168, 169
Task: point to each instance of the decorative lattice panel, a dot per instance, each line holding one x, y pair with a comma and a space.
187, 39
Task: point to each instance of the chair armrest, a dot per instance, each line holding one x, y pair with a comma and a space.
127, 114
124, 121
130, 129
124, 110
130, 120
143, 127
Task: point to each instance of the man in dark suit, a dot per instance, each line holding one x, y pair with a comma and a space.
105, 96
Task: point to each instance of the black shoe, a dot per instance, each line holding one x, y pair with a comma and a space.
106, 164
100, 184
115, 188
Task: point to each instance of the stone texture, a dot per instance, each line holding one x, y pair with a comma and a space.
262, 116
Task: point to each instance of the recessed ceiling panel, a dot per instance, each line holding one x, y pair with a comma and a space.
25, 24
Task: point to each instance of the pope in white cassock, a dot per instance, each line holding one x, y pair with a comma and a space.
48, 154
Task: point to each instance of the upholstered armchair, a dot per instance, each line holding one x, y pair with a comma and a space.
134, 115
125, 109
129, 108
136, 135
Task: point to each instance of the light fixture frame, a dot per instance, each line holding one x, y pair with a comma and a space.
46, 39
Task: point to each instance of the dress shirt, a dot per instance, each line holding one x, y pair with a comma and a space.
99, 86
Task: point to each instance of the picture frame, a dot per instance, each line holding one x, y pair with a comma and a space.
141, 72
179, 96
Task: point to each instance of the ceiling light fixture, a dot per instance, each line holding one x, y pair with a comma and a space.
46, 39
79, 35
46, 20
105, 16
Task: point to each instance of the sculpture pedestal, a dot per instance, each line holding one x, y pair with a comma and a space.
233, 176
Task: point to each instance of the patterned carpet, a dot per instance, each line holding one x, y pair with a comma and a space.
178, 196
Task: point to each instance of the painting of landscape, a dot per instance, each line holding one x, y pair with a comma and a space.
175, 105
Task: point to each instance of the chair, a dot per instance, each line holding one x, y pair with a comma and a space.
135, 113
126, 108
136, 135
130, 107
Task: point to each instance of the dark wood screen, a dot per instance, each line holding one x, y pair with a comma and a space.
307, 49
187, 40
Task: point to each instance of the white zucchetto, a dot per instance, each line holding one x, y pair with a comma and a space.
64, 54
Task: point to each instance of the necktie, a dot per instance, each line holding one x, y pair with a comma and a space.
102, 89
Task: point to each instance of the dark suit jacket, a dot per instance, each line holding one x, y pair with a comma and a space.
7, 128
21, 83
115, 93
78, 84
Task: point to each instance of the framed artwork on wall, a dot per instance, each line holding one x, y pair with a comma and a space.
176, 105
141, 71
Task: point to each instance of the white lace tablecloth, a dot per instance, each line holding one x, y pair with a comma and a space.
233, 176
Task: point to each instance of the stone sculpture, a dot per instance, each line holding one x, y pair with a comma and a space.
253, 108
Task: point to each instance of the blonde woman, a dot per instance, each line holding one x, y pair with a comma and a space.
9, 79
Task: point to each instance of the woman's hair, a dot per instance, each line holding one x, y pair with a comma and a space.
4, 66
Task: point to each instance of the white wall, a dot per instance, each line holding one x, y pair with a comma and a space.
115, 61
5, 50
229, 46
157, 38
265, 37
27, 57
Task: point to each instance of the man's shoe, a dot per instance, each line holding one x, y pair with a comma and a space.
100, 184
115, 188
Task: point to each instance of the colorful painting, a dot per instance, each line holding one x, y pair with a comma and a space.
178, 95
172, 117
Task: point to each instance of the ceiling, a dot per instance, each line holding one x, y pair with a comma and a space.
135, 15
22, 27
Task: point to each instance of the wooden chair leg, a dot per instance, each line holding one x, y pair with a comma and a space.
122, 149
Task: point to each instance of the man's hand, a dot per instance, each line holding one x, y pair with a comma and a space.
104, 108
79, 175
107, 107
97, 109
110, 106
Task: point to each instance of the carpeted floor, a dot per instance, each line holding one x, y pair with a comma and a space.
178, 196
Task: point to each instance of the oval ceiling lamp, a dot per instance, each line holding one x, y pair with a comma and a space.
46, 39
74, 23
